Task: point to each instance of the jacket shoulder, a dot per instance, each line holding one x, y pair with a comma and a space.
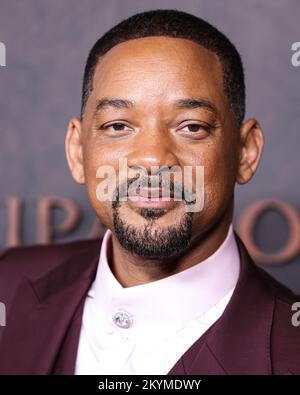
284, 335
280, 291
285, 330
38, 257
35, 261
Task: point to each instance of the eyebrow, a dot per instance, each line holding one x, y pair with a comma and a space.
191, 103
188, 103
115, 103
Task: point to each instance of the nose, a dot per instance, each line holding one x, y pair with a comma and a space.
153, 148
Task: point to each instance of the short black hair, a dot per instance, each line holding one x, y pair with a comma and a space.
177, 24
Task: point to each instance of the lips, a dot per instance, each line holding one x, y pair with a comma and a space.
152, 194
152, 198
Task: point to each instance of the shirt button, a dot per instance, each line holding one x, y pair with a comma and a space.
122, 319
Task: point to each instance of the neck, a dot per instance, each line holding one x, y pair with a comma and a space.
131, 270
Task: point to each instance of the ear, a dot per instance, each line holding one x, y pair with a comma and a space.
73, 146
251, 147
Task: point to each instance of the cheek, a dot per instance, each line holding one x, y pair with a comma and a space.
94, 157
219, 174
220, 180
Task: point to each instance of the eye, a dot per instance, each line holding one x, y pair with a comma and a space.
194, 128
114, 127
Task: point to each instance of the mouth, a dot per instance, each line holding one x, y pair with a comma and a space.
153, 198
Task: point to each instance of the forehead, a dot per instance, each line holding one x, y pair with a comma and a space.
159, 69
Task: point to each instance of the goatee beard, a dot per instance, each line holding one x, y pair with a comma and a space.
151, 240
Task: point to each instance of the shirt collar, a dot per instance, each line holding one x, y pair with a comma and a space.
168, 303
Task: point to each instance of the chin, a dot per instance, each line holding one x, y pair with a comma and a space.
153, 233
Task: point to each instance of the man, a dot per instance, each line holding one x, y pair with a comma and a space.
171, 290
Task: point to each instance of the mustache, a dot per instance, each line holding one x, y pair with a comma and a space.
166, 186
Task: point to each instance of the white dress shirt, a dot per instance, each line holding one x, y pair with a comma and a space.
159, 320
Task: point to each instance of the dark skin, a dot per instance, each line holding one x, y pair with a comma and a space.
153, 73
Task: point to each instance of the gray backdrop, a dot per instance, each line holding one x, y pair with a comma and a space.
47, 43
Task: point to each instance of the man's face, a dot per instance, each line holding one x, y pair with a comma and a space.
154, 74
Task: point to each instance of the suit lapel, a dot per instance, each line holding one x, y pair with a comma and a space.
239, 342
198, 360
42, 313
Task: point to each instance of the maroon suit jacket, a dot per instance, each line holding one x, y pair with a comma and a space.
44, 288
